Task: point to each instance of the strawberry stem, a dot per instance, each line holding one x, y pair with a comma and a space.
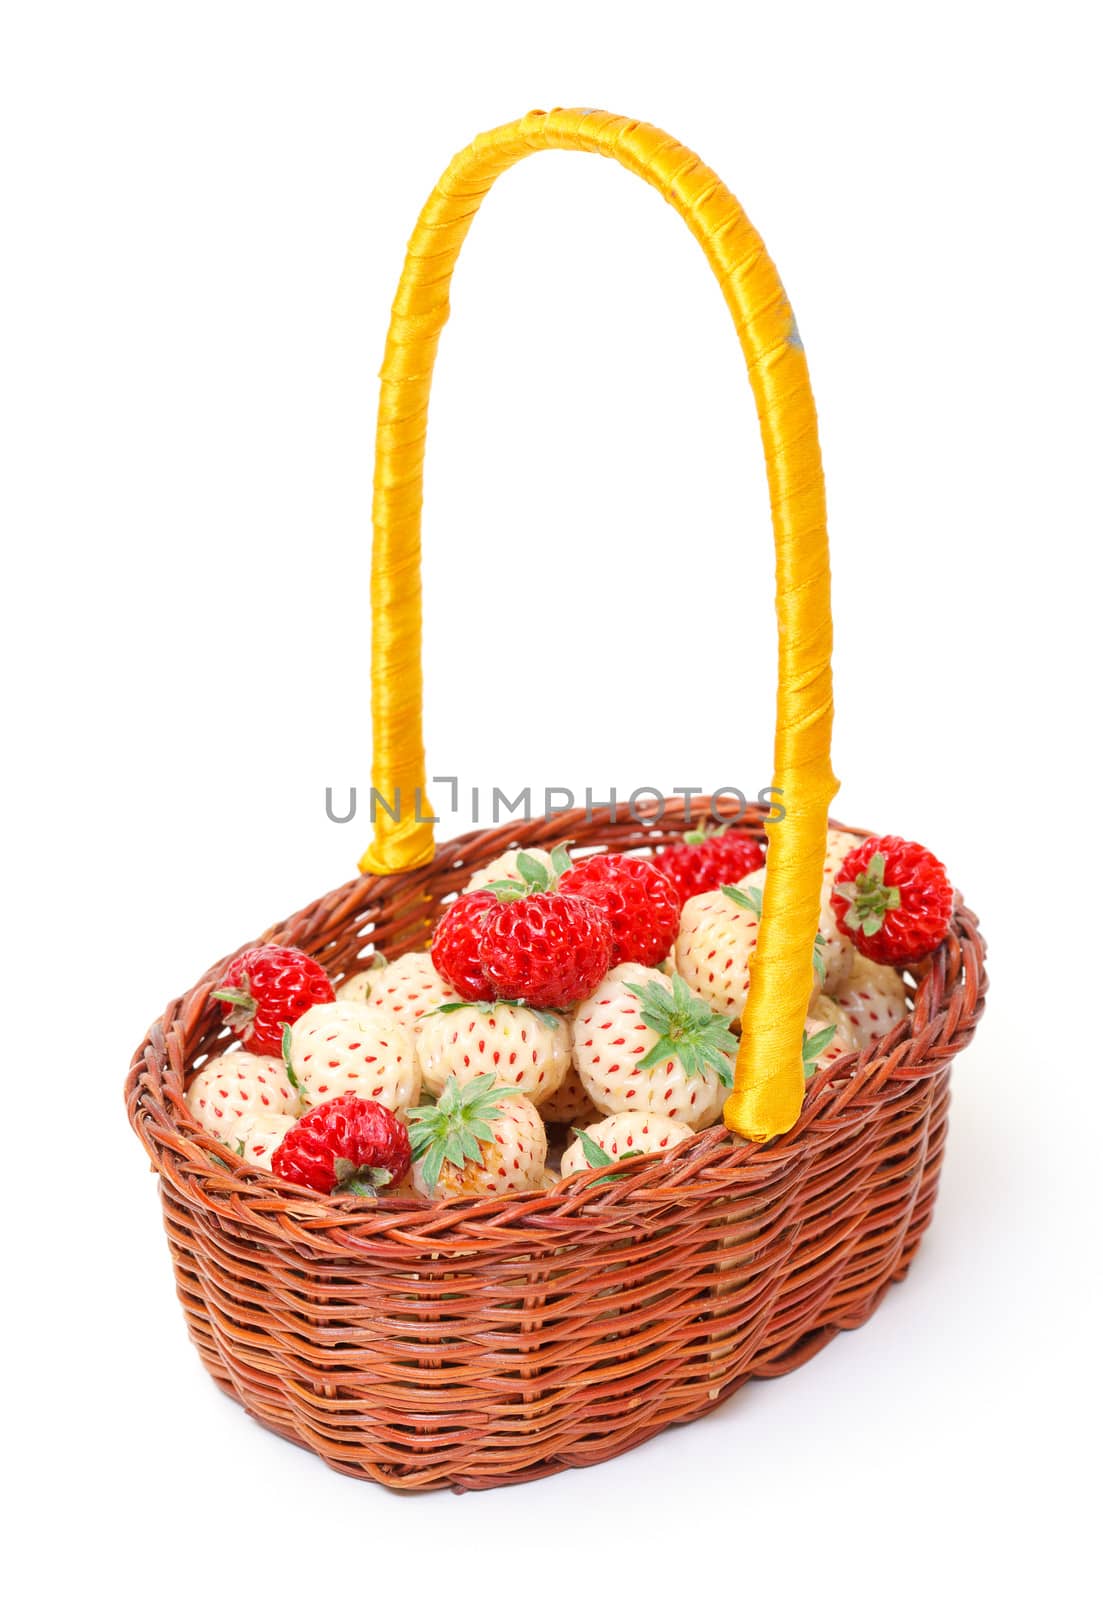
241, 1000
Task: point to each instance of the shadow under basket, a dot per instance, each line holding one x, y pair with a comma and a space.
472, 1343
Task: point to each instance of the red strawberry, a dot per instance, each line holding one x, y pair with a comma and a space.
709, 860
349, 1144
266, 987
455, 946
893, 899
547, 950
641, 903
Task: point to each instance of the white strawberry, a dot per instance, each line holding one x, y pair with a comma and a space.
537, 869
232, 1088
258, 1136
874, 1000
645, 1042
478, 1139
629, 1133
529, 1051
716, 939
347, 1047
836, 950
403, 991
570, 1104
828, 1034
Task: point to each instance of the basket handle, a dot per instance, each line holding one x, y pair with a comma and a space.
769, 1086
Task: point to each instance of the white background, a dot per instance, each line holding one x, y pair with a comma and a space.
204, 209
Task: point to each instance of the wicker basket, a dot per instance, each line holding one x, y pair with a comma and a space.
480, 1342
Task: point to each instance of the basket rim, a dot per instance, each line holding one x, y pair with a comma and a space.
948, 1003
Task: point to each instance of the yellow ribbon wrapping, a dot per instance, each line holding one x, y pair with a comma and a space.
769, 1078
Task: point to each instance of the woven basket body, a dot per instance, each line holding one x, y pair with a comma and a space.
480, 1342
475, 1343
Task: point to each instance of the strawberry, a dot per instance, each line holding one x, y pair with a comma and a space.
347, 1048
546, 950
570, 1103
231, 1089
629, 1133
259, 1136
455, 948
348, 1144
874, 1000
640, 902
709, 858
456, 940
479, 1138
408, 990
266, 987
528, 1050
644, 1042
893, 899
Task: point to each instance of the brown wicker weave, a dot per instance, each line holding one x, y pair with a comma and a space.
482, 1342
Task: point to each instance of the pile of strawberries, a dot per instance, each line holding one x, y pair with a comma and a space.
603, 995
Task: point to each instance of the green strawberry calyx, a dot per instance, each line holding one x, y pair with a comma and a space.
285, 1051
871, 898
535, 876
366, 1181
458, 1125
814, 1045
748, 898
597, 1157
551, 1019
819, 966
688, 1029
